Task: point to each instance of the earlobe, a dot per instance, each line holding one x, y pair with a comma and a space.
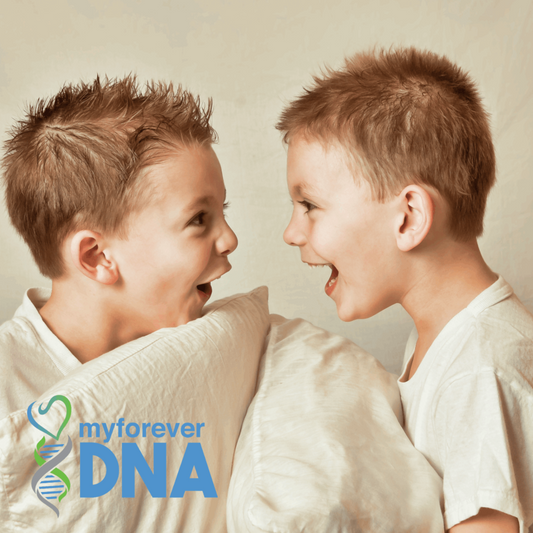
92, 259
415, 217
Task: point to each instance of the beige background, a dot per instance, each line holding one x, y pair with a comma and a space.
252, 57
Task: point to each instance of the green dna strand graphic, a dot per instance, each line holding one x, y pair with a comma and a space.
49, 482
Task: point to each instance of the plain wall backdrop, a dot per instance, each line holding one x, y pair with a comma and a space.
251, 58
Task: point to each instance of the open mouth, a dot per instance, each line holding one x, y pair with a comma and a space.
332, 281
205, 290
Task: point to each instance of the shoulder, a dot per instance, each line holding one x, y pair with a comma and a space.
15, 335
18, 339
490, 367
24, 364
21, 337
481, 408
488, 383
498, 340
508, 317
20, 332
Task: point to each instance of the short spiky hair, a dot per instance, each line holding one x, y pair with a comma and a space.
76, 159
404, 116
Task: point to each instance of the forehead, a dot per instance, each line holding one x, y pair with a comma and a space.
313, 166
188, 172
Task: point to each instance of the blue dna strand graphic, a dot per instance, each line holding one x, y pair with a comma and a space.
49, 482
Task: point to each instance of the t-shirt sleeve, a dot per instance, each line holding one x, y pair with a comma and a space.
484, 424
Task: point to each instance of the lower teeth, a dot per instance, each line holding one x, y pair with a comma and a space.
331, 282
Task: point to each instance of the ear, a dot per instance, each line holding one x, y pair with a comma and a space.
92, 259
415, 217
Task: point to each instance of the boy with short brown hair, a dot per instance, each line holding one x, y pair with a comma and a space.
121, 199
390, 161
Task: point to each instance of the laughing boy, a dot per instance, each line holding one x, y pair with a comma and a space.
390, 161
120, 198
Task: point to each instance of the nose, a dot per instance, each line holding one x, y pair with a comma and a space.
227, 242
293, 235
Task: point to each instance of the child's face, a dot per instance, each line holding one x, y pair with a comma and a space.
179, 242
335, 222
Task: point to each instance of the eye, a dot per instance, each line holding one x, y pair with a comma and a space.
225, 206
198, 219
308, 205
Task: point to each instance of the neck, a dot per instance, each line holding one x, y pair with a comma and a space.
445, 283
87, 322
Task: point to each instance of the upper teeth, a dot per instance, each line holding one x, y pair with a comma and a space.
314, 266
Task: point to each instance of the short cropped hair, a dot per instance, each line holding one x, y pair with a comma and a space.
404, 116
75, 160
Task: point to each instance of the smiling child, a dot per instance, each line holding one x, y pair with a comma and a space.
120, 198
390, 161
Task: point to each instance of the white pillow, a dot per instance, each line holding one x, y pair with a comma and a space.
202, 372
322, 448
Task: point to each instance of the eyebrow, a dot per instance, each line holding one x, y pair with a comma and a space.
199, 202
203, 200
304, 190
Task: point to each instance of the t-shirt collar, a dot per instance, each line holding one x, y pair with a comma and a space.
62, 357
498, 291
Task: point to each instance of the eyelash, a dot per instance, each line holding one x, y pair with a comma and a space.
224, 208
200, 216
308, 205
198, 220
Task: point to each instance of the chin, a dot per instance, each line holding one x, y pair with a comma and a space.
349, 314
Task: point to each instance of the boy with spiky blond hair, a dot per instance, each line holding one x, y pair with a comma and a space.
120, 198
390, 161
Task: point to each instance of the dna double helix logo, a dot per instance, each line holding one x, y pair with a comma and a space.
49, 482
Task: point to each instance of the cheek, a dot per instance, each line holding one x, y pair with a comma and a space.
164, 266
335, 243
323, 240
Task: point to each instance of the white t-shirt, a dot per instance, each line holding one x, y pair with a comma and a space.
469, 407
32, 358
